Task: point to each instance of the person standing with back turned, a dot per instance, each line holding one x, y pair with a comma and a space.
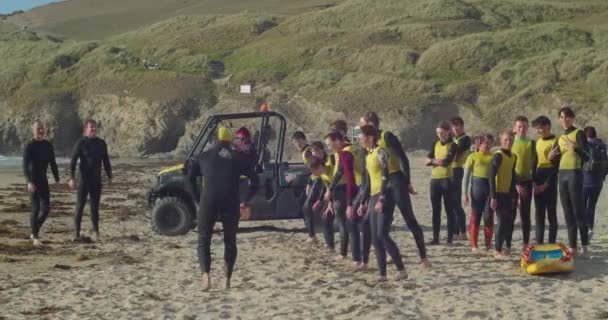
89, 152
594, 174
221, 169
37, 156
572, 146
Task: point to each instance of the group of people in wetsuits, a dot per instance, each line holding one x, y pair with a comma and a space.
506, 181
89, 154
360, 186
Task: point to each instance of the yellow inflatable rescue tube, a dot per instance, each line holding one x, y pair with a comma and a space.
547, 258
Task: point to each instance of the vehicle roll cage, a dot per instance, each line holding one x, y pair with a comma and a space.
214, 120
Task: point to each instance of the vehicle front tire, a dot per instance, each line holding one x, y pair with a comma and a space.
171, 216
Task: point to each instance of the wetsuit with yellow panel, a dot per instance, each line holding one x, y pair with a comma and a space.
476, 186
312, 185
463, 147
345, 185
317, 193
399, 179
545, 175
570, 183
441, 187
377, 189
524, 148
502, 188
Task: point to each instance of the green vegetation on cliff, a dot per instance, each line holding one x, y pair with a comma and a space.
414, 61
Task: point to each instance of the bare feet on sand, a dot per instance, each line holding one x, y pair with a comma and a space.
311, 240
401, 275
500, 255
206, 282
363, 266
228, 276
425, 263
575, 252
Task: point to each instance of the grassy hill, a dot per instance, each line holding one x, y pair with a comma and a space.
97, 19
414, 61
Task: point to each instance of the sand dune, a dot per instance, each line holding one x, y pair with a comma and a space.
135, 274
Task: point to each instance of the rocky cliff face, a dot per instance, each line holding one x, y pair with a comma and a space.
131, 126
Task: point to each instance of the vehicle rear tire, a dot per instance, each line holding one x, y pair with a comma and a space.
171, 216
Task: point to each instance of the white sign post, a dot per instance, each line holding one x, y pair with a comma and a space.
246, 88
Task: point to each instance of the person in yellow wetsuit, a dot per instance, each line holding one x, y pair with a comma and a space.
502, 191
343, 191
524, 148
321, 166
573, 153
298, 139
477, 166
463, 148
545, 180
380, 203
399, 178
440, 158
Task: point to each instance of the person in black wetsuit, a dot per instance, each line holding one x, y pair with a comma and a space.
545, 180
525, 150
573, 153
399, 180
221, 169
502, 191
312, 185
476, 173
380, 203
90, 152
440, 159
594, 175
463, 149
37, 157
322, 167
343, 191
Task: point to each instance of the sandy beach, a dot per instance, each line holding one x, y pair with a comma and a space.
135, 274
